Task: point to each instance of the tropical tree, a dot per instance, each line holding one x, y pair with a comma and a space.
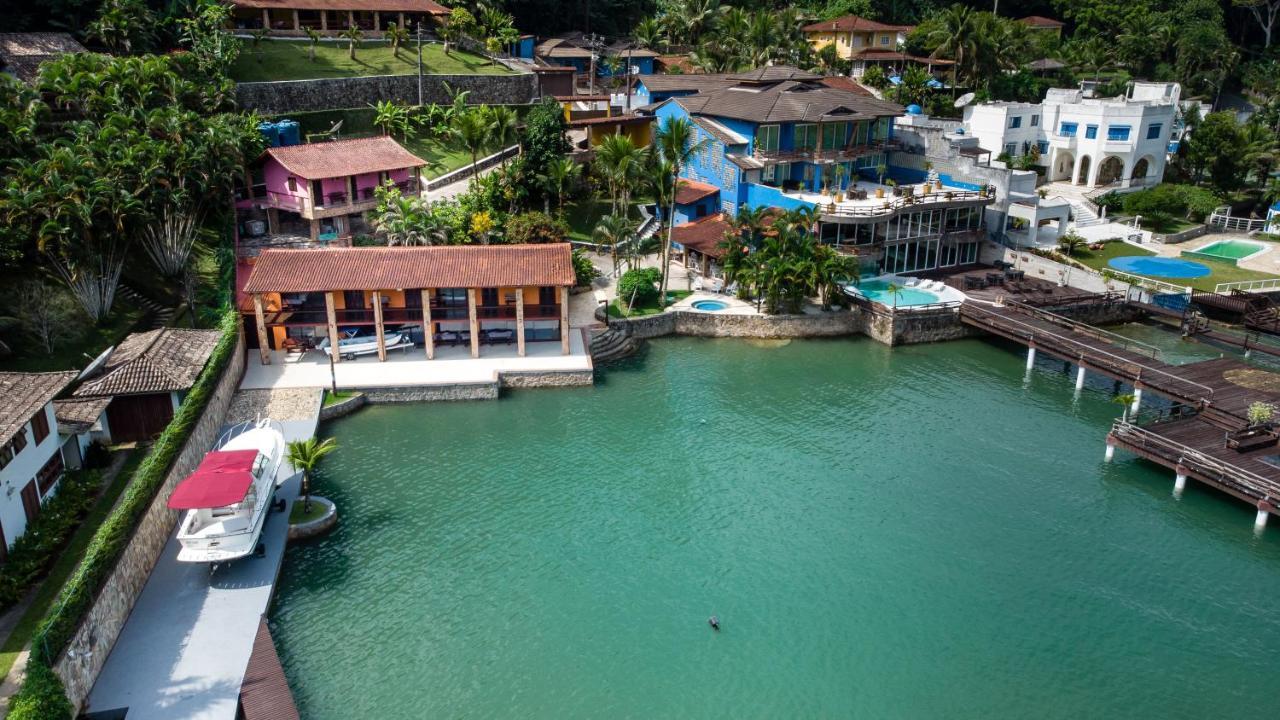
913, 87
392, 118
894, 290
313, 36
353, 35
472, 130
459, 25
505, 125
956, 37
305, 455
614, 231
560, 174
677, 142
124, 26
619, 162
398, 36
1069, 242
648, 34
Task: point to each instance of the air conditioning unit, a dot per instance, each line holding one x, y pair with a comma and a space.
255, 228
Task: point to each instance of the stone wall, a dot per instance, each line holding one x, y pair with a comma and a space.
289, 96
343, 407
915, 327
532, 379
104, 621
704, 324
432, 393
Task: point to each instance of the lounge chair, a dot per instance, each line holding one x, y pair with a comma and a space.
506, 336
912, 282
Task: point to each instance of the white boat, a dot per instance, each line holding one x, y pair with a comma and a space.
228, 497
349, 347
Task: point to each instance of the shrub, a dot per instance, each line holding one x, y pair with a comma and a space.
638, 287
584, 271
33, 553
1171, 201
535, 227
41, 696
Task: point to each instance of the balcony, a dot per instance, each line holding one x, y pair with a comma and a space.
864, 205
335, 203
405, 315
1064, 142
819, 155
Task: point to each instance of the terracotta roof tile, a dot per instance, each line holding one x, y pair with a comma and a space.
703, 235
78, 415
854, 23
315, 161
410, 6
840, 82
1041, 21
22, 53
23, 394
386, 268
691, 191
162, 360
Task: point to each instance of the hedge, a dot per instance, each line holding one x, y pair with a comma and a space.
37, 548
108, 544
41, 696
638, 287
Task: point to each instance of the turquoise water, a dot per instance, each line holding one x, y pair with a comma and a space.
907, 533
1231, 249
710, 305
877, 290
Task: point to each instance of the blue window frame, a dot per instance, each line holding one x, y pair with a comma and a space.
1035, 120
1090, 132
1015, 122
1118, 132
1068, 129
1043, 146
1153, 131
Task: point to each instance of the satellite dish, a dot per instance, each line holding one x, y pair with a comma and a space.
96, 364
963, 100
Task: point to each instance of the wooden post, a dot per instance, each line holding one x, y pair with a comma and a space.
377, 324
332, 316
377, 21
266, 19
520, 321
351, 190
400, 22
297, 23
351, 18
475, 323
564, 320
264, 350
324, 21
428, 333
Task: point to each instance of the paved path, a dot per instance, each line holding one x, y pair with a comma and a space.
453, 189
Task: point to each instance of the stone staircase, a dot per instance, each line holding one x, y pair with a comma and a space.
157, 315
612, 344
1084, 215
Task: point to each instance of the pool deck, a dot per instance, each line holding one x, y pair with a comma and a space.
1267, 261
184, 651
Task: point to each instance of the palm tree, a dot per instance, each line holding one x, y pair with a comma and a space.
396, 35
305, 455
560, 173
353, 35
472, 130
1069, 242
677, 142
314, 36
1126, 400
613, 230
391, 118
618, 161
894, 290
956, 37
505, 123
648, 34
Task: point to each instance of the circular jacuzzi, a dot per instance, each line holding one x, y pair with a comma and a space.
709, 305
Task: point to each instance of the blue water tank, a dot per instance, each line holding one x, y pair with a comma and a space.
914, 109
271, 133
290, 132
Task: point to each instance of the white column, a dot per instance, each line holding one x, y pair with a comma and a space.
1031, 356
1080, 378
1179, 482
1075, 170
1260, 521
1110, 454
1137, 400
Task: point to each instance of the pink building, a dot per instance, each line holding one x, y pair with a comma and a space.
320, 193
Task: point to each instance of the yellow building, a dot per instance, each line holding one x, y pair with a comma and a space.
852, 35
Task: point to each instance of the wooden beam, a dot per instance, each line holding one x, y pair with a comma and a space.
297, 24
520, 321
428, 333
475, 322
564, 320
331, 315
377, 325
324, 21
266, 19
264, 350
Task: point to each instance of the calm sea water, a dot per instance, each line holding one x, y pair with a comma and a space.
908, 533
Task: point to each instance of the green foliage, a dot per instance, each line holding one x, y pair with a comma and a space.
124, 26
584, 271
104, 551
543, 143
785, 265
535, 227
1168, 200
41, 696
305, 455
33, 553
639, 287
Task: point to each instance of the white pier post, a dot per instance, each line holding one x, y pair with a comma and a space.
1031, 356
1080, 378
1137, 400
1179, 482
1264, 509
1111, 453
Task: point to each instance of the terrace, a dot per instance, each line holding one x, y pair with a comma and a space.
864, 199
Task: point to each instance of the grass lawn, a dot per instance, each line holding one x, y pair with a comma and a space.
66, 563
1222, 272
332, 399
288, 60
618, 308
584, 215
70, 353
442, 156
298, 515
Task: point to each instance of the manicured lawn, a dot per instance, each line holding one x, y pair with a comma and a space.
618, 308
288, 60
66, 563
584, 215
332, 399
69, 354
442, 156
298, 515
1222, 272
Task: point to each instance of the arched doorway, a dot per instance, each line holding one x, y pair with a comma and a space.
1111, 170
1082, 177
1141, 169
1064, 162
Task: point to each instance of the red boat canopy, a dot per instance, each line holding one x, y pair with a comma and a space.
222, 479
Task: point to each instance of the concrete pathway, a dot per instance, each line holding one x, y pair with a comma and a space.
453, 189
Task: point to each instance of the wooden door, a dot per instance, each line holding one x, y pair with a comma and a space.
134, 418
31, 501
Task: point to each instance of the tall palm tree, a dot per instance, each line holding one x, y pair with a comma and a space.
313, 36
305, 455
472, 129
956, 36
505, 125
893, 289
397, 35
677, 142
648, 34
353, 35
614, 231
619, 162
560, 173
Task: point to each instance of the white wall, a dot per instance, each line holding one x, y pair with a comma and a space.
21, 470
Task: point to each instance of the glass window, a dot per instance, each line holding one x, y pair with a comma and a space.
1015, 122
767, 137
1009, 149
1043, 146
1153, 131
806, 136
1068, 129
833, 135
1035, 120
1117, 132
769, 174
884, 39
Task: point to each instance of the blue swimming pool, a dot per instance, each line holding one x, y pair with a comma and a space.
709, 305
1159, 267
878, 291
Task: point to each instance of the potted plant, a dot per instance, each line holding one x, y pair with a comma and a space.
879, 192
1259, 433
881, 169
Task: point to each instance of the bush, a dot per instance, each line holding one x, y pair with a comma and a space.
639, 287
33, 553
41, 696
584, 271
1169, 201
535, 227
107, 545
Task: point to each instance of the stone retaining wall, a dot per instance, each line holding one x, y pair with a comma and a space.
343, 407
431, 393
913, 328
704, 324
532, 379
104, 621
290, 96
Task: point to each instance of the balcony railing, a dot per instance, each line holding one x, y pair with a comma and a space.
849, 152
895, 205
398, 315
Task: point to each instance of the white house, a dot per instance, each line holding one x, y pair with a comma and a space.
30, 449
1085, 141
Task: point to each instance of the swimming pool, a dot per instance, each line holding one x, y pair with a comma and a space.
1162, 267
878, 291
709, 305
1229, 250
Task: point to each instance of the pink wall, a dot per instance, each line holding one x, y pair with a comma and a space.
331, 185
277, 179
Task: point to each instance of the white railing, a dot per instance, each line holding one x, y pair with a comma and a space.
1147, 282
1250, 483
1247, 286
1221, 218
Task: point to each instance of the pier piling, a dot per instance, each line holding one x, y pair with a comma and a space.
1110, 454
1080, 378
1179, 482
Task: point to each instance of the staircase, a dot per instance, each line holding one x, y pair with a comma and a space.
157, 315
1083, 214
1263, 315
612, 345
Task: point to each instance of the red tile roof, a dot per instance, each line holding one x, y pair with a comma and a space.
691, 191
840, 82
155, 361
22, 395
854, 23
1041, 21
409, 6
315, 161
703, 235
387, 268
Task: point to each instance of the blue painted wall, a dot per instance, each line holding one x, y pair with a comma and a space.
522, 48
765, 196
692, 211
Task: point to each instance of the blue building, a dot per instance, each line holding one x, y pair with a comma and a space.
780, 137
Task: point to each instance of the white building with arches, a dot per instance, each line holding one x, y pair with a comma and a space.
1089, 142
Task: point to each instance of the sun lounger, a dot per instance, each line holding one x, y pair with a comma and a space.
912, 282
